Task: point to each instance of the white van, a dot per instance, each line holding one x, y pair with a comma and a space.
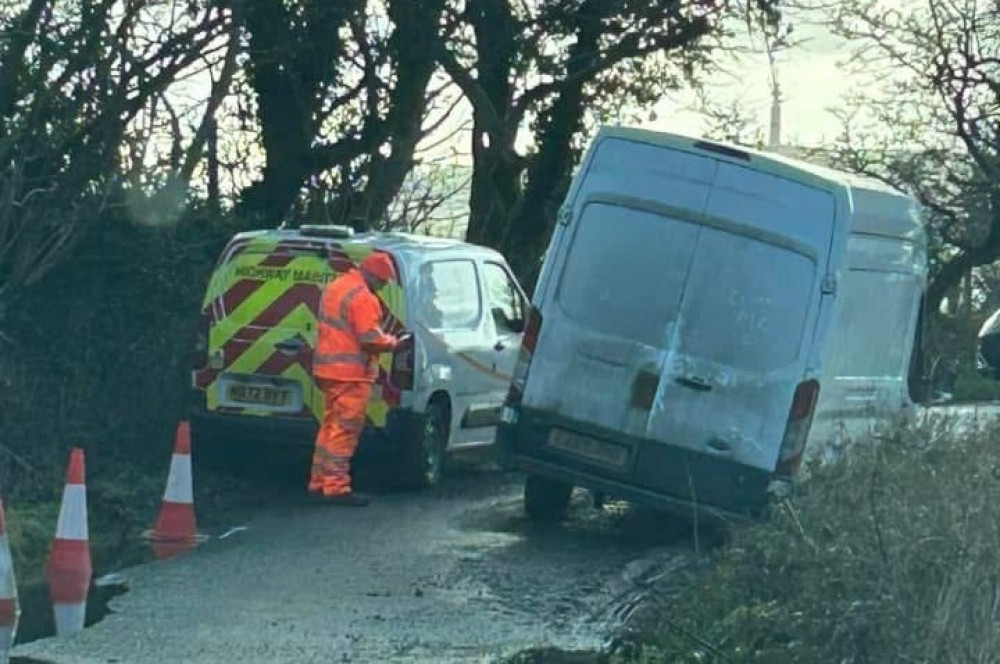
880, 288
252, 375
674, 354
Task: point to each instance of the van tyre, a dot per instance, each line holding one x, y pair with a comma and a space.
546, 500
423, 456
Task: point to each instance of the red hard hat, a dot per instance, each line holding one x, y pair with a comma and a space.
380, 266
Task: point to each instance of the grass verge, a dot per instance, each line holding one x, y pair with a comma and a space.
890, 555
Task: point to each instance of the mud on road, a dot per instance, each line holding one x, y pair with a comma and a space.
452, 575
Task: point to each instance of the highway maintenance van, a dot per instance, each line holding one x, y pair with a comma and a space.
700, 306
440, 393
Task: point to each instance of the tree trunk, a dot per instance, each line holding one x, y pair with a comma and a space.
951, 273
212, 166
495, 190
551, 169
412, 48
290, 70
496, 179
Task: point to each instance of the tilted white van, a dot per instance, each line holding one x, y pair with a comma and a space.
700, 306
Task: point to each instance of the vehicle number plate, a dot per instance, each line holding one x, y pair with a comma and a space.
260, 395
590, 448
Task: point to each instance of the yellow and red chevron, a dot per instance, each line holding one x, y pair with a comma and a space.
268, 304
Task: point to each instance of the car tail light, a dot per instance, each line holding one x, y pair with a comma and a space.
403, 365
800, 417
529, 340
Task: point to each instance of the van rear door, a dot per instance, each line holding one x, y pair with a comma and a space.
264, 327
747, 320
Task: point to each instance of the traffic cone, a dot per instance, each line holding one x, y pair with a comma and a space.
9, 610
68, 569
176, 530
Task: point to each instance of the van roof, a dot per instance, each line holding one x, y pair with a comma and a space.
395, 243
879, 208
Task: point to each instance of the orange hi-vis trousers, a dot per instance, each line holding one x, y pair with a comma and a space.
345, 404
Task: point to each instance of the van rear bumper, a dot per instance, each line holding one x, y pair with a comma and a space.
401, 425
659, 475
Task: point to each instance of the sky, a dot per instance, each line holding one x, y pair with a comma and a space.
810, 77
812, 82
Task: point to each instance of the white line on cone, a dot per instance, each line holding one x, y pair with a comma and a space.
73, 514
179, 482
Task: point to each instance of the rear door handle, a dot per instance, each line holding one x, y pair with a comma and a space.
500, 345
289, 345
694, 383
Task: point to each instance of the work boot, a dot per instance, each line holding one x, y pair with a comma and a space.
347, 500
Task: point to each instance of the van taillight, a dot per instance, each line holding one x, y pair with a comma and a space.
199, 358
529, 340
800, 417
532, 327
403, 364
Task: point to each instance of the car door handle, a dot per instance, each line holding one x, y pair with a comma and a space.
500, 345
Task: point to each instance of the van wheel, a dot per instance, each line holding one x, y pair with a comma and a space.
423, 458
546, 500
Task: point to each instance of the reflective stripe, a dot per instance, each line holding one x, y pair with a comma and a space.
342, 358
335, 323
341, 322
323, 453
368, 337
352, 424
325, 462
329, 468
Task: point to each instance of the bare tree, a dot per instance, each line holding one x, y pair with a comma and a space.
552, 68
73, 76
933, 128
341, 92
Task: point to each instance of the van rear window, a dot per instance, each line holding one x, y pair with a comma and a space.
747, 303
625, 272
737, 301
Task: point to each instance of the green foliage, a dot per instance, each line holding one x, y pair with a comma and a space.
889, 556
970, 386
97, 356
98, 352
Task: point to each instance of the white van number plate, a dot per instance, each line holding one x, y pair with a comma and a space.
590, 448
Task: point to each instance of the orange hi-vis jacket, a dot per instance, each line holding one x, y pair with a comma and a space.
350, 337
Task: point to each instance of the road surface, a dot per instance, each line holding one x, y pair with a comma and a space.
454, 575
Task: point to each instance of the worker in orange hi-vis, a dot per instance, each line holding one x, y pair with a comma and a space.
345, 366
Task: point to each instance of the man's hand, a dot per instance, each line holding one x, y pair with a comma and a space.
404, 338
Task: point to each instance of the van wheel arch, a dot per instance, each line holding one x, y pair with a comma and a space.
442, 400
423, 458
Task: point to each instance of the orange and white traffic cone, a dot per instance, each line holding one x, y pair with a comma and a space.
69, 569
9, 611
176, 530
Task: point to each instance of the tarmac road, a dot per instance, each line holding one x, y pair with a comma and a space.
453, 575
